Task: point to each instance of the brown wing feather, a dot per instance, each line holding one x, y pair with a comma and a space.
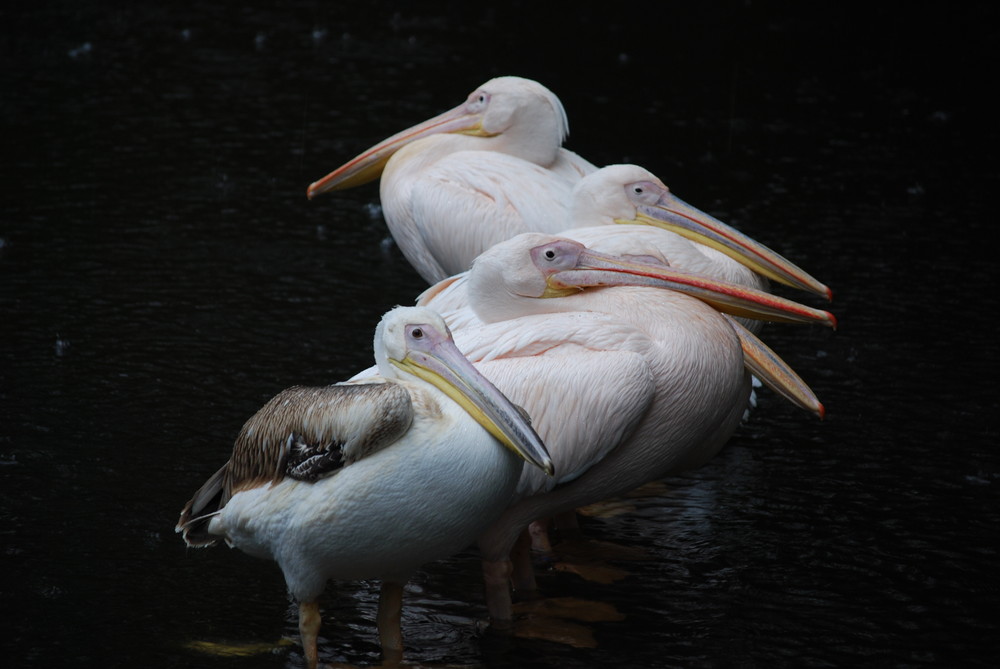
303, 433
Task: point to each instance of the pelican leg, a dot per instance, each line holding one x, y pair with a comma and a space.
539, 530
309, 621
496, 578
390, 613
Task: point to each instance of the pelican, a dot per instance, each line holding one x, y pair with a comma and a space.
652, 244
480, 173
630, 194
625, 382
370, 480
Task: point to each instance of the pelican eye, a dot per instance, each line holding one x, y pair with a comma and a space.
550, 254
478, 100
417, 333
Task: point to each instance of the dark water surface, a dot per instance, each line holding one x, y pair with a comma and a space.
162, 275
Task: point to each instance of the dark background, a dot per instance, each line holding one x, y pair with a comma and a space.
162, 274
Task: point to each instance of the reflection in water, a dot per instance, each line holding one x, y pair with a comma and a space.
162, 275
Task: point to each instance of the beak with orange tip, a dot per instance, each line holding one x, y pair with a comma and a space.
657, 206
466, 119
569, 266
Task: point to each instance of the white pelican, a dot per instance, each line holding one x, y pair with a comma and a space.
626, 384
485, 171
633, 195
450, 297
370, 480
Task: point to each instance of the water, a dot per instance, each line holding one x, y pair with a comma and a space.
162, 275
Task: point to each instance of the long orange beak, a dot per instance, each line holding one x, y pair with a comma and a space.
569, 266
465, 119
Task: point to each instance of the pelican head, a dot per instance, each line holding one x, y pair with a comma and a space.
631, 194
516, 115
415, 342
535, 265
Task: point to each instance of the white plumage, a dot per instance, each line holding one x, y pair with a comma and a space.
625, 383
485, 171
369, 480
